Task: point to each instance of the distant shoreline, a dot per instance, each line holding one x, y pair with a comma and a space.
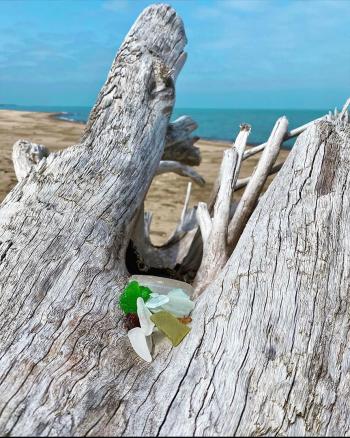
57, 116
62, 116
221, 124
45, 128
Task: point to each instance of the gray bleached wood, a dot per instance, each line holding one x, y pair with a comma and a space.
25, 156
289, 135
269, 349
172, 252
344, 112
240, 145
178, 148
168, 255
251, 194
179, 142
268, 352
180, 169
214, 230
242, 182
63, 234
194, 258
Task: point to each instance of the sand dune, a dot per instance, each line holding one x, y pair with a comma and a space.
165, 198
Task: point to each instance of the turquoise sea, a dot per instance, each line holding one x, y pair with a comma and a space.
218, 124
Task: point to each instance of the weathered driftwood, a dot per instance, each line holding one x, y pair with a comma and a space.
201, 260
242, 182
214, 230
252, 192
240, 145
179, 142
268, 353
178, 150
64, 230
180, 169
289, 135
25, 156
344, 115
171, 253
193, 259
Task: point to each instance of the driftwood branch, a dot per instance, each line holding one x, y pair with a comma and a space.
173, 252
180, 169
344, 115
242, 182
289, 135
251, 194
64, 232
27, 155
240, 145
214, 231
179, 142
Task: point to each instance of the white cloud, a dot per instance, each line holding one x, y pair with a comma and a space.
115, 5
247, 5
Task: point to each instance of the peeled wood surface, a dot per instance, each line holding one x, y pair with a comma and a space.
214, 230
63, 233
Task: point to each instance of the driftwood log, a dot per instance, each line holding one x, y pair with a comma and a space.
268, 353
179, 152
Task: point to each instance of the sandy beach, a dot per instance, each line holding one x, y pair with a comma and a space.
166, 196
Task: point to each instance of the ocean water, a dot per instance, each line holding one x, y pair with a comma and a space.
218, 124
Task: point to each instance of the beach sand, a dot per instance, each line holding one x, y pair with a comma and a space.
167, 193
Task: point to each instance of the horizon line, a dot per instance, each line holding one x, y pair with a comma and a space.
4, 105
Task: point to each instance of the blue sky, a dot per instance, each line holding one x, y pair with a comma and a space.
242, 54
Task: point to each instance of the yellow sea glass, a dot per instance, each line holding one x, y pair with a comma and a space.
170, 326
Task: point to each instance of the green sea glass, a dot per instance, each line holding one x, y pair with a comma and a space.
128, 299
170, 326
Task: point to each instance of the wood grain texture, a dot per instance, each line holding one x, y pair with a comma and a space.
214, 230
255, 185
63, 233
269, 349
268, 353
25, 156
179, 142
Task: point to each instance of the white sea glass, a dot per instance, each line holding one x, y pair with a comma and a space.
139, 343
178, 293
162, 285
144, 317
157, 301
178, 306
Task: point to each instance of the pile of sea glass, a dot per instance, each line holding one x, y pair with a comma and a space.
155, 304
